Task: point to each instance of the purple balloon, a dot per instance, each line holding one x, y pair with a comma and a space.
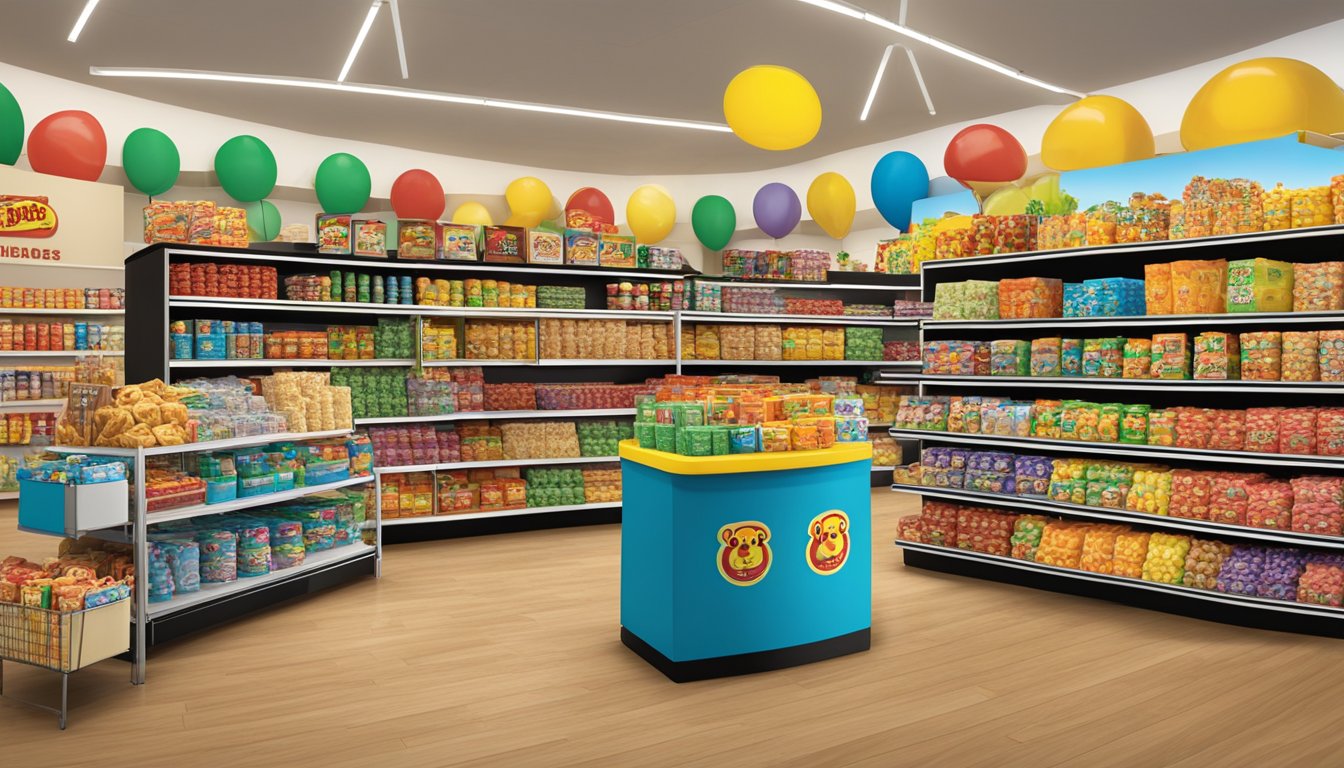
777, 209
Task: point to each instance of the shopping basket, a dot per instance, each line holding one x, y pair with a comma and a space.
62, 641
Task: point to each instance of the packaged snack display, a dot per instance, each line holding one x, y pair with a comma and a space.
1010, 358
1131, 554
1259, 285
1045, 357
1204, 562
1321, 583
968, 300
1061, 544
1318, 505
1300, 360
1136, 359
1198, 287
1171, 356
1318, 287
1261, 355
459, 242
1157, 289
1030, 297
545, 247
1330, 348
1099, 548
1217, 356
1269, 504
505, 244
1026, 538
1071, 357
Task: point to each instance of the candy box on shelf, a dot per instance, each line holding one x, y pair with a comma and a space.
1171, 356
966, 300
369, 238
1300, 360
416, 239
333, 233
1259, 285
616, 251
1261, 355
1009, 358
1318, 287
581, 247
1198, 287
1217, 356
459, 242
504, 244
1044, 356
1157, 289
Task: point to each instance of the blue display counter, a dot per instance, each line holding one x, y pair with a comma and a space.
745, 563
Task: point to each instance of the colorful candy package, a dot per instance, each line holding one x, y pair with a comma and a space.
1199, 287
1045, 356
1259, 285
1300, 360
1261, 355
1318, 287
1217, 356
1165, 563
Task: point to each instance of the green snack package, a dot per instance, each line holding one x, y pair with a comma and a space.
646, 409
1134, 424
699, 441
743, 440
647, 434
665, 437
689, 414
683, 442
719, 446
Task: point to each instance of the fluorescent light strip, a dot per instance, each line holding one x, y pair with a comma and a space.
919, 78
359, 40
404, 93
856, 13
401, 42
82, 20
877, 80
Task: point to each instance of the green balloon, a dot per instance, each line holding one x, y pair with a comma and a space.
714, 221
11, 127
151, 161
342, 184
246, 168
263, 221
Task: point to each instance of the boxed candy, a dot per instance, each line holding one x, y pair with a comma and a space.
1030, 297
1259, 285
1198, 287
1111, 297
1009, 358
1300, 358
1217, 356
1318, 287
1044, 356
1171, 356
1261, 355
968, 300
1137, 359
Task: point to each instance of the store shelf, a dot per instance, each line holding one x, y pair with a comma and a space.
808, 363
306, 363
349, 263
250, 441
59, 312
198, 510
9, 495
464, 363
33, 406
1257, 319
800, 285
498, 513
1102, 254
1261, 603
475, 415
1203, 528
734, 317
1146, 452
209, 593
881, 468
498, 463
353, 307
600, 362
63, 353
1148, 385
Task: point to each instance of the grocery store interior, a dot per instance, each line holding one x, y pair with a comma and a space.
762, 382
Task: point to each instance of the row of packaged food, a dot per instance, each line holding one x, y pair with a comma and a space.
17, 297
421, 494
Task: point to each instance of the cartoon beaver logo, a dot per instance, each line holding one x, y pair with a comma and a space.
828, 542
744, 552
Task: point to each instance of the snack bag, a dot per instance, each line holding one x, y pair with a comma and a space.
1130, 554
1203, 563
1262, 429
1171, 356
1318, 287
1071, 357
1269, 504
1261, 355
1162, 427
1045, 356
1134, 424
1217, 356
1030, 297
1165, 563
1300, 359
1259, 285
1026, 538
1136, 359
1157, 289
1198, 287
1330, 360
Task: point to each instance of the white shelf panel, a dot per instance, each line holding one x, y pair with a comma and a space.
211, 592
249, 441
808, 363
599, 362
1100, 253
1282, 606
499, 463
1146, 452
787, 285
498, 513
463, 363
33, 406
59, 312
1243, 318
495, 313
1151, 385
64, 353
422, 266
881, 468
1197, 527
732, 317
305, 363
476, 415
199, 510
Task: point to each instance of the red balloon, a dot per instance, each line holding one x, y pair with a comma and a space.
70, 144
984, 152
592, 200
417, 194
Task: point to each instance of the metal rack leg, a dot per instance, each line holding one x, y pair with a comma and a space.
65, 697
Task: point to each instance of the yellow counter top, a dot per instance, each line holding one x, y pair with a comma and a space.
840, 453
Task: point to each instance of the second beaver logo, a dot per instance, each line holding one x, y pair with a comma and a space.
828, 542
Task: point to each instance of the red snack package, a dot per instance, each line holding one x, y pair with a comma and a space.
1193, 427
1330, 432
1190, 494
1229, 431
1262, 429
1229, 496
1297, 431
1318, 505
1269, 504
940, 523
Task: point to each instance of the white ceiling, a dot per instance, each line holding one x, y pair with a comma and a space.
667, 58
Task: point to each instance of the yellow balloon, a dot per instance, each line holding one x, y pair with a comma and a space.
1006, 201
1096, 131
529, 198
472, 213
650, 213
772, 107
830, 202
518, 220
1262, 99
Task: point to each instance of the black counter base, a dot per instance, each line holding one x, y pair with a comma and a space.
747, 663
489, 526
1256, 617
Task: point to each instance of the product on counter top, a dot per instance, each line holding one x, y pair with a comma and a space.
237, 281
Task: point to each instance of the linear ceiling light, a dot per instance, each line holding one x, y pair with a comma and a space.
961, 53
404, 93
877, 80
359, 39
401, 42
82, 20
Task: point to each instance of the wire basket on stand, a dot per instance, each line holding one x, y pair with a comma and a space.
62, 641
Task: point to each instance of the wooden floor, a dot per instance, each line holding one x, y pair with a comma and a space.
504, 651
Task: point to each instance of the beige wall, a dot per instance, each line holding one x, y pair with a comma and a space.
89, 227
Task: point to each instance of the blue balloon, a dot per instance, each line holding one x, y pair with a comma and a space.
899, 179
944, 185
